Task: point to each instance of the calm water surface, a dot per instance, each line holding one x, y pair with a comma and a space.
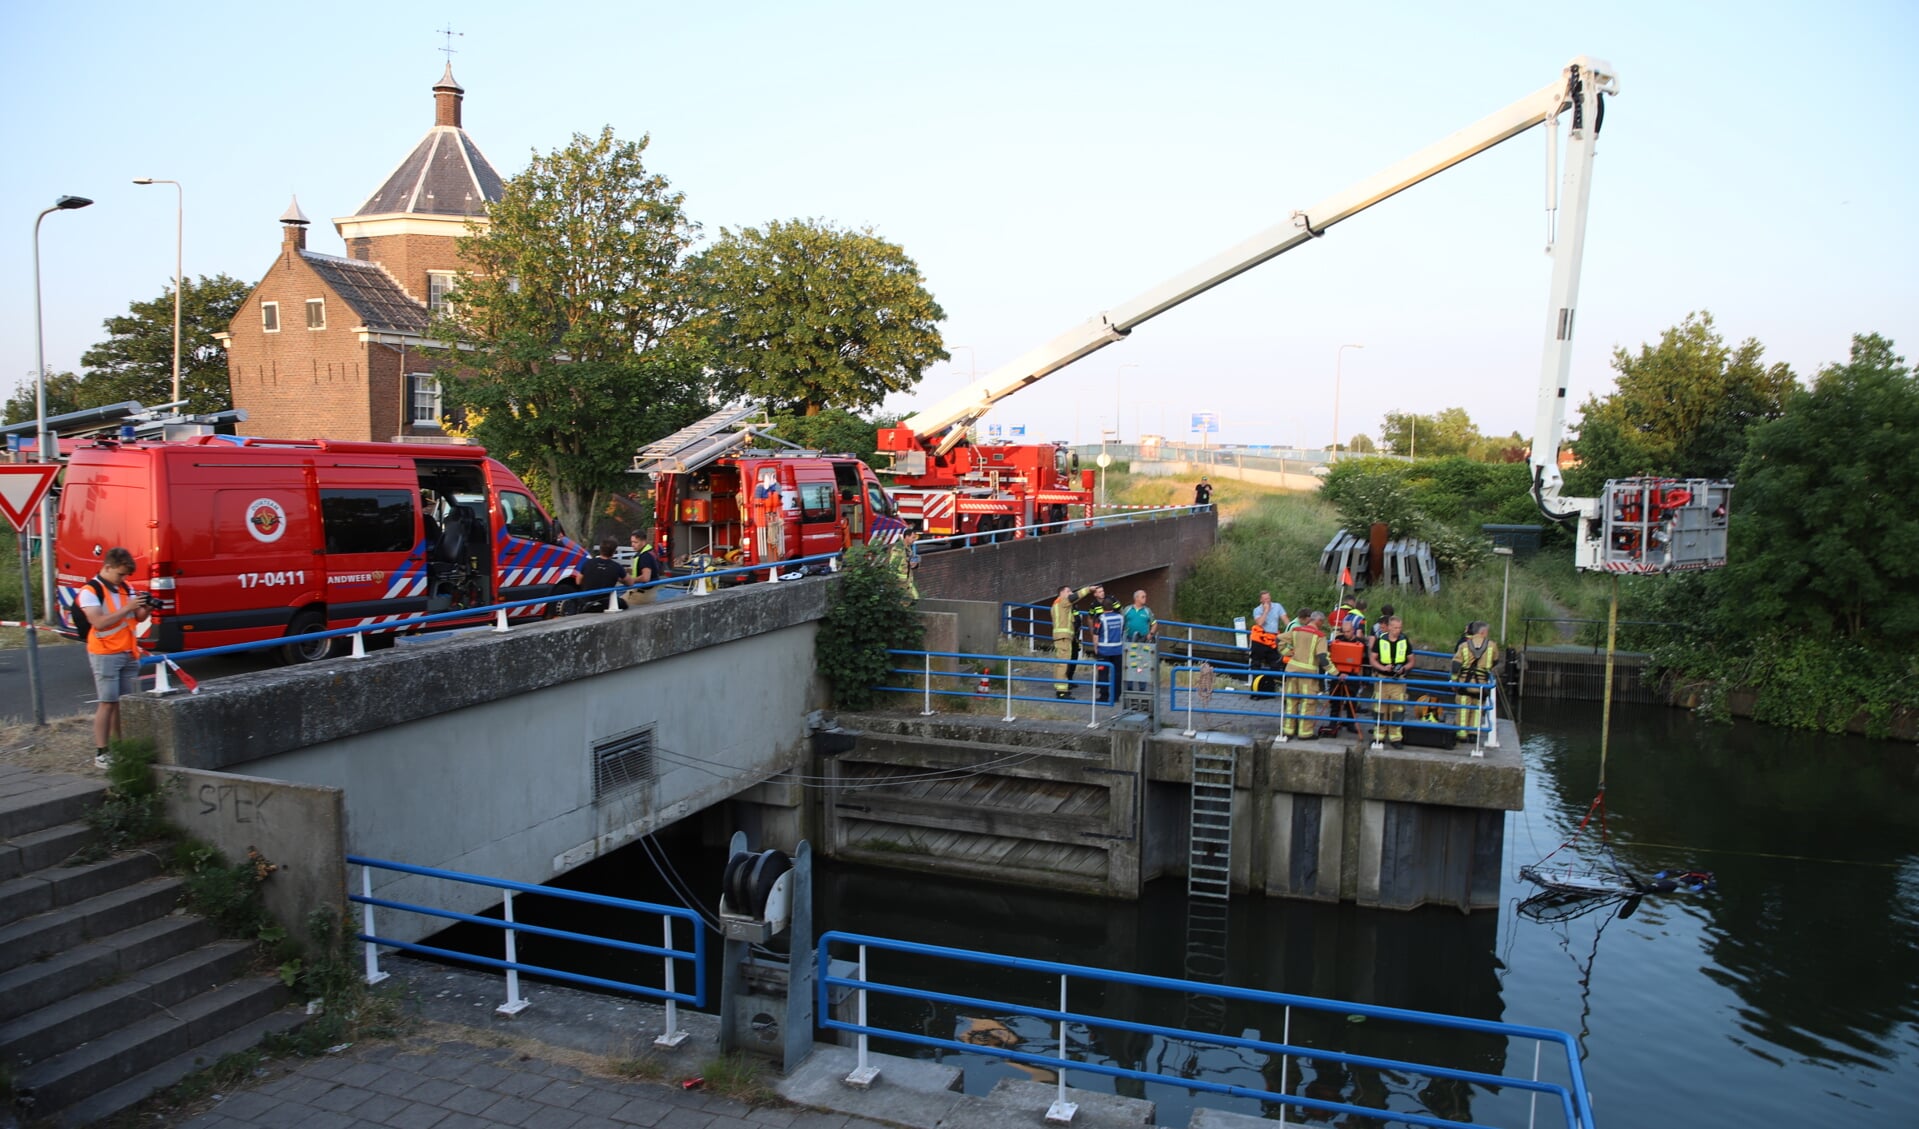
1787, 997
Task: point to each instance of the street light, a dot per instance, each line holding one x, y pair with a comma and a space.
1338, 358
41, 448
179, 240
1116, 398
972, 362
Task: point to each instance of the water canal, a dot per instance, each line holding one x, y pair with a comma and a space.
1788, 996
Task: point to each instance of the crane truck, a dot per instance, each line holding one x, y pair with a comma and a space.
1638, 525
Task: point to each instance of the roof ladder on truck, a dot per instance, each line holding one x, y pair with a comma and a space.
691, 448
1209, 862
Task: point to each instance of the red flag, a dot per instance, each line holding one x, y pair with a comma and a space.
1346, 577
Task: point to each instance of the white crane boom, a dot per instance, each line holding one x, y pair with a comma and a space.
1582, 81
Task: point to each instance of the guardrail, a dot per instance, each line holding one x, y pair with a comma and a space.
512, 966
1127, 515
1342, 709
696, 583
986, 676
1087, 1030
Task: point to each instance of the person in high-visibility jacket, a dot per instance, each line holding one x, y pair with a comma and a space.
1265, 623
1391, 658
1305, 649
113, 609
1109, 643
1065, 641
1347, 652
1473, 662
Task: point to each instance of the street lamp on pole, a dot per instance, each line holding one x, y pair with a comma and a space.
179, 279
1116, 397
42, 448
1339, 358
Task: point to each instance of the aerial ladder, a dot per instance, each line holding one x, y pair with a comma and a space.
1577, 99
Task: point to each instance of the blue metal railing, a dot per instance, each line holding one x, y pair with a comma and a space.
982, 671
477, 615
668, 951
1439, 693
1570, 1096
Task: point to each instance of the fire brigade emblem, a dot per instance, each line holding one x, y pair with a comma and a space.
266, 520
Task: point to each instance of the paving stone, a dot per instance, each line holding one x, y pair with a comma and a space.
469, 1101
600, 1103
483, 1075
522, 1084
327, 1119
640, 1111
380, 1107
777, 1117
362, 1074
303, 1090
418, 1115
561, 1094
247, 1104
679, 1118
343, 1099
513, 1110
446, 1066
594, 1121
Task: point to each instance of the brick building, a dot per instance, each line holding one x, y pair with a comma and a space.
329, 347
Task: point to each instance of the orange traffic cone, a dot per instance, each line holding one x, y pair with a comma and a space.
985, 679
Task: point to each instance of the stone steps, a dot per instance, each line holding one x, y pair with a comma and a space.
109, 991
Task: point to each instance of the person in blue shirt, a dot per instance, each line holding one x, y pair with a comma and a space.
1141, 626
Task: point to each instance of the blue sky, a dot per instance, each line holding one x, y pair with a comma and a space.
1042, 162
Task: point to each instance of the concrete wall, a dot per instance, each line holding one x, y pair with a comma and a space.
1032, 568
299, 828
976, 625
1285, 480
475, 754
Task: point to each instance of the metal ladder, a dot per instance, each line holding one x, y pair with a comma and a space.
691, 448
1209, 863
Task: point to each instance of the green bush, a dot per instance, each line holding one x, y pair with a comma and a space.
870, 614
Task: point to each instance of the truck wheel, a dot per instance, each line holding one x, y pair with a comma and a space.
564, 601
307, 623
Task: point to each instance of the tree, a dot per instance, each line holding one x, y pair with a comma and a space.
1449, 432
569, 339
804, 316
63, 395
834, 431
1361, 444
135, 362
870, 614
1682, 407
1825, 522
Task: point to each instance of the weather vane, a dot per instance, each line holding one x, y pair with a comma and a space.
448, 50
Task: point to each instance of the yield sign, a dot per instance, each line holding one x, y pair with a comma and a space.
22, 485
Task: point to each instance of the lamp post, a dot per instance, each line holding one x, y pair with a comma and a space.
179, 279
42, 449
1339, 358
1116, 398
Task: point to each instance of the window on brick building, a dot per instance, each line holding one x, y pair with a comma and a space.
423, 395
316, 313
270, 317
439, 288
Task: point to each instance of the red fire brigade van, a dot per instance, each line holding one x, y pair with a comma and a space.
759, 508
243, 539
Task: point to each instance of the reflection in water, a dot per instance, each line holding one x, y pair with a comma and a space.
1790, 995
1785, 996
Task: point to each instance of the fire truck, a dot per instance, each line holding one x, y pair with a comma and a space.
973, 488
943, 480
720, 503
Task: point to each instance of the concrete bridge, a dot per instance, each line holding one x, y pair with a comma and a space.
523, 755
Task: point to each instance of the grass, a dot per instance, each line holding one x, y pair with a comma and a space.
1273, 539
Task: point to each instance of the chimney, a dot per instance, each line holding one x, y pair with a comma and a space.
293, 228
446, 99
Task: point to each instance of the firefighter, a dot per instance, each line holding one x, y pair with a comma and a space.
1065, 642
1474, 662
1391, 657
1347, 652
1265, 623
904, 556
1304, 647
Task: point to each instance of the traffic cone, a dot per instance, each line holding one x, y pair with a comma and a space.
985, 679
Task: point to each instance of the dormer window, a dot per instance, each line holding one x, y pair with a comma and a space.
270, 317
316, 313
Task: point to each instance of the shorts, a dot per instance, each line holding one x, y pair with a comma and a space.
114, 674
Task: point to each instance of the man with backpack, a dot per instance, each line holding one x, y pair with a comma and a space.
106, 611
1473, 665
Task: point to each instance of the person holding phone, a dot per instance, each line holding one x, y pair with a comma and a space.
112, 609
